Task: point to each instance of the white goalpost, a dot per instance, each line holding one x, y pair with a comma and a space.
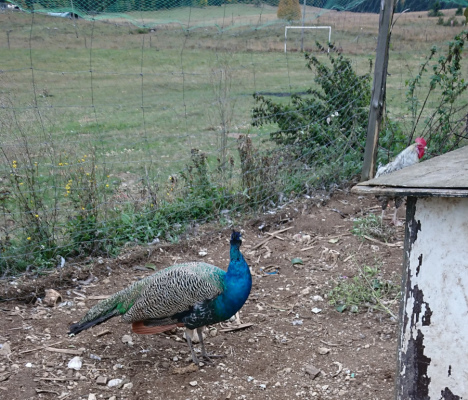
305, 27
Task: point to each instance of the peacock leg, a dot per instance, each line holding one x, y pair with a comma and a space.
194, 357
208, 357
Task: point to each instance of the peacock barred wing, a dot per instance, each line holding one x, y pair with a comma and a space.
174, 291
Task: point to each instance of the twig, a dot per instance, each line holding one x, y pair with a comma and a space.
65, 351
56, 379
236, 328
272, 235
329, 344
379, 242
39, 348
102, 297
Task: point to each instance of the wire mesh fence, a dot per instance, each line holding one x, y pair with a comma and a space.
133, 122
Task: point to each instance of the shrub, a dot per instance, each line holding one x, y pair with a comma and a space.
326, 128
435, 10
459, 11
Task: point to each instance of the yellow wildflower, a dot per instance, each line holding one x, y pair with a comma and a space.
29, 238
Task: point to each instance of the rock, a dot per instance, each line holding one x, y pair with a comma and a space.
112, 398
114, 382
128, 385
312, 371
193, 383
28, 365
75, 363
213, 332
323, 350
305, 291
5, 349
92, 396
51, 298
127, 339
117, 366
317, 298
316, 310
101, 380
185, 370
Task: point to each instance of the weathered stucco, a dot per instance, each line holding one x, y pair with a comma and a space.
433, 345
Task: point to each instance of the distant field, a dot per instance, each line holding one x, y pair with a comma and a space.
152, 95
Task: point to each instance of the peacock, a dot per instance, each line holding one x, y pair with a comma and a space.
189, 295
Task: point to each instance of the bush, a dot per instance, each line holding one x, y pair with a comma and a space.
326, 128
435, 10
459, 11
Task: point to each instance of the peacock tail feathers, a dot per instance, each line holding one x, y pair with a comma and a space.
165, 293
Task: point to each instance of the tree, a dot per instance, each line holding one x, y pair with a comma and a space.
289, 10
466, 14
435, 10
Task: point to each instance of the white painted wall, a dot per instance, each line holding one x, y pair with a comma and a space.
443, 279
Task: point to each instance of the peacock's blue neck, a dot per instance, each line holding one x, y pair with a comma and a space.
237, 283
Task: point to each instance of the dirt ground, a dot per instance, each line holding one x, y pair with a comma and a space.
277, 357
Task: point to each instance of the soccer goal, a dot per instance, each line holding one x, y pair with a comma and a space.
305, 27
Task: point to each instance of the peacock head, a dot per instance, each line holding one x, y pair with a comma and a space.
421, 146
236, 238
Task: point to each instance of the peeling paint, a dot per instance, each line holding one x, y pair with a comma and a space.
418, 268
448, 395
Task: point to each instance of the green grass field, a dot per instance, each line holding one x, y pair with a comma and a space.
137, 101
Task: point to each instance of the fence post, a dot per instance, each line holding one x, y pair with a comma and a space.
378, 89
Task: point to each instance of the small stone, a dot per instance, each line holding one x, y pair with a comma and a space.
175, 359
342, 393
193, 383
312, 371
28, 365
305, 291
317, 298
114, 382
5, 349
325, 387
316, 310
117, 366
323, 350
92, 396
112, 398
101, 380
128, 385
75, 363
262, 386
127, 339
213, 332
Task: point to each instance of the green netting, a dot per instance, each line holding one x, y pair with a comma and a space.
189, 14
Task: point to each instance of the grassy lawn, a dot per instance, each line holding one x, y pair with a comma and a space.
137, 101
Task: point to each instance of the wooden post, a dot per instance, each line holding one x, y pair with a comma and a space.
378, 90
